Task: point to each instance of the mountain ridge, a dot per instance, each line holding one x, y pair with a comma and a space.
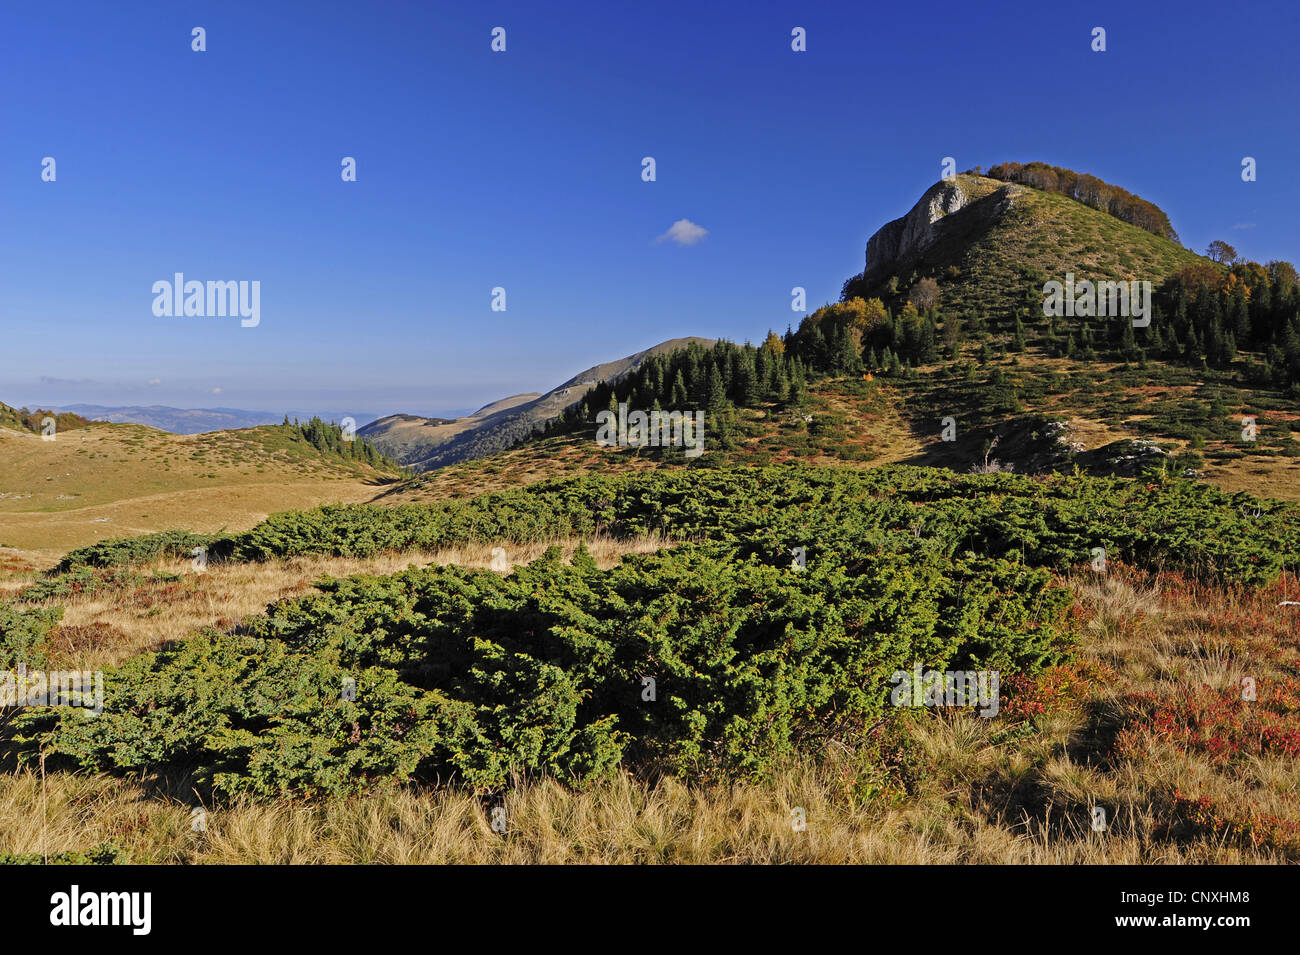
429, 443
175, 420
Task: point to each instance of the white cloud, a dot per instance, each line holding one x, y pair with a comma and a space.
684, 232
1244, 225
155, 381
216, 391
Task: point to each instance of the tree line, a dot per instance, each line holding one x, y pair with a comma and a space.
328, 438
1201, 315
716, 379
1089, 190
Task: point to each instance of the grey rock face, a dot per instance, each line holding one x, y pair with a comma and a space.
915, 230
920, 228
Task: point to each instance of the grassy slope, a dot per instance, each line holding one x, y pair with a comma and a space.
117, 480
886, 420
15, 420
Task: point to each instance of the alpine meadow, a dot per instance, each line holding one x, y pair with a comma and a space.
908, 511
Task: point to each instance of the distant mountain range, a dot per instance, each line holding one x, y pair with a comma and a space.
420, 442
177, 420
428, 443
193, 420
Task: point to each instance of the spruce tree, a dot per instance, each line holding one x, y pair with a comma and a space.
680, 398
716, 395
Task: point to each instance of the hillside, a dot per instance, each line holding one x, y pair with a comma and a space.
1053, 393
991, 245
410, 438
104, 480
428, 443
866, 382
31, 421
1120, 426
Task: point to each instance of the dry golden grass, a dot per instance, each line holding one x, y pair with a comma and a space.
622, 820
1268, 477
116, 480
107, 627
18, 568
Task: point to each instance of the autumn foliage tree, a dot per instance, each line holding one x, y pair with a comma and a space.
924, 294
1089, 190
1220, 251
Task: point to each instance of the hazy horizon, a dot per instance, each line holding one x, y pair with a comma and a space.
363, 416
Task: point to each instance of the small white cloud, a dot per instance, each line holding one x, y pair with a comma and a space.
155, 381
216, 391
684, 232
1244, 225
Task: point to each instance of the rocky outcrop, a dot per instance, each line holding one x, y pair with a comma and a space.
1128, 457
1034, 444
1030, 444
919, 229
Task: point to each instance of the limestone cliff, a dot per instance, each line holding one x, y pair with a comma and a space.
921, 227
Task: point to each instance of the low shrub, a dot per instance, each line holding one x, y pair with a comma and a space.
475, 676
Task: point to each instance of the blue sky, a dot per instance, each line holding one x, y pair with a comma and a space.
522, 170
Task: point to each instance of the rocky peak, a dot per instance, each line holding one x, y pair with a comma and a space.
918, 230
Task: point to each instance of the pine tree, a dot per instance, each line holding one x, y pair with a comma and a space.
1239, 316
680, 398
780, 389
798, 382
1018, 336
716, 395
694, 377
929, 349
1127, 341
847, 360
1215, 343
818, 351
762, 374
746, 384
